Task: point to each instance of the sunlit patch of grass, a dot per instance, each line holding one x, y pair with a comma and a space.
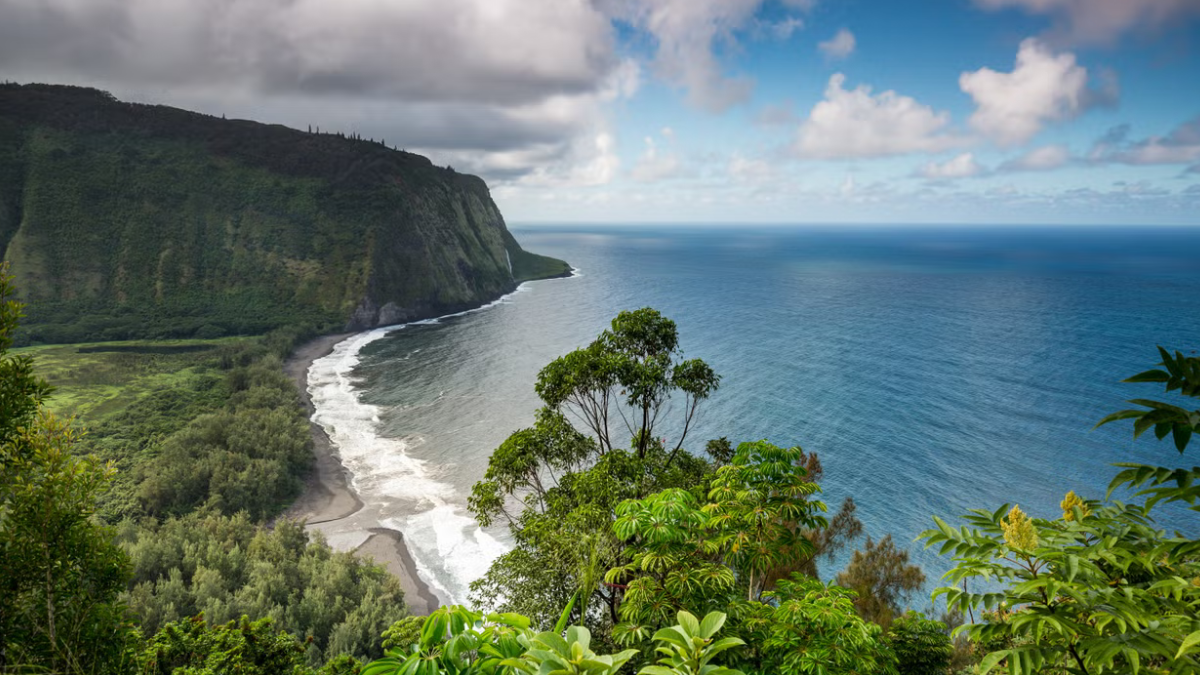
94, 381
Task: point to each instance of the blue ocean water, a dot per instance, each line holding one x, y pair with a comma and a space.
932, 370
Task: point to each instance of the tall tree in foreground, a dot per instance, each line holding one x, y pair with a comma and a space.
630, 372
21, 392
1101, 588
61, 572
557, 485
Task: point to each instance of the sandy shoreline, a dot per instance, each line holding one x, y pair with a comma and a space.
328, 497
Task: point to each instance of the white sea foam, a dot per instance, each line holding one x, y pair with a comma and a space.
399, 491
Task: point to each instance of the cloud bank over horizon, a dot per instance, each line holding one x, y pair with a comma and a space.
685, 109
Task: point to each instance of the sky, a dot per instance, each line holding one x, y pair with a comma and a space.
731, 111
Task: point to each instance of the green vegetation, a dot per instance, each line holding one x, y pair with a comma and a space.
459, 641
211, 442
132, 221
245, 647
1101, 589
528, 266
192, 423
225, 568
61, 569
571, 483
631, 544
96, 382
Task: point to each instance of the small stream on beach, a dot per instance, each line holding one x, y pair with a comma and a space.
932, 370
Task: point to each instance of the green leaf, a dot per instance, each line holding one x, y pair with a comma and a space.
1072, 567
566, 614
384, 666
1149, 376
674, 635
1188, 643
1182, 433
1121, 415
689, 623
991, 660
511, 619
721, 645
711, 624
554, 641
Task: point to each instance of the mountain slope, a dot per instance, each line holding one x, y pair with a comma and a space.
125, 220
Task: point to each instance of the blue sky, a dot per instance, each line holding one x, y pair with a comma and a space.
732, 165
829, 111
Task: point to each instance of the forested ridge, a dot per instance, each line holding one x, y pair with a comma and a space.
634, 553
123, 220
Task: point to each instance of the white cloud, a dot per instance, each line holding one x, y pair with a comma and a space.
848, 187
855, 123
689, 33
1043, 88
1180, 146
1103, 21
750, 170
962, 166
785, 28
1044, 158
777, 115
655, 165
494, 51
506, 88
839, 46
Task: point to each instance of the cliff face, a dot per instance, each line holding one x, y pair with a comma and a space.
125, 220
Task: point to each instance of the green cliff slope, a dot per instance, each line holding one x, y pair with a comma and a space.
125, 220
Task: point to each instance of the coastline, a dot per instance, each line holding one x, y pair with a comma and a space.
328, 497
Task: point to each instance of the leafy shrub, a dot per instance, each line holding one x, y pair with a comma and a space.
922, 646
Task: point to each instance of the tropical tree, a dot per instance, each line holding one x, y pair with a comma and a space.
1100, 588
922, 646
806, 626
1179, 373
685, 554
841, 529
245, 647
630, 371
21, 392
556, 485
61, 573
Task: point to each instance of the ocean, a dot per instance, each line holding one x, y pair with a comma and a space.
932, 370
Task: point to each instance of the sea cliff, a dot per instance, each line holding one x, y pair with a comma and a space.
123, 220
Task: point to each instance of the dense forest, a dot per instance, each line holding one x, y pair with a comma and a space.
123, 221
156, 500
149, 544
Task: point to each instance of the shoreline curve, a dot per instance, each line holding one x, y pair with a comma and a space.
328, 497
